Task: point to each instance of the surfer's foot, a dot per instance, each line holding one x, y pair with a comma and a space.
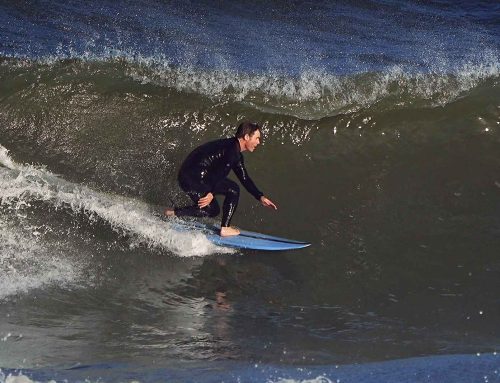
169, 212
227, 231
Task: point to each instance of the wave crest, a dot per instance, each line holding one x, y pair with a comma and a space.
311, 94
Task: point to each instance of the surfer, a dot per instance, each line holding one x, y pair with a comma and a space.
203, 174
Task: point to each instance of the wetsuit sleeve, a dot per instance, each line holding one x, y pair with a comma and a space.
246, 181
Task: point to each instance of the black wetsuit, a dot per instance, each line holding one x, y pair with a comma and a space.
205, 171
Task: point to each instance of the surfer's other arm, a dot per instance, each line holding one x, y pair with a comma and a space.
268, 203
206, 200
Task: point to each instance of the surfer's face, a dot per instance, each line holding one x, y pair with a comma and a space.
252, 141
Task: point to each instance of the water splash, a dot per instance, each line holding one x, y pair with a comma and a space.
26, 263
23, 184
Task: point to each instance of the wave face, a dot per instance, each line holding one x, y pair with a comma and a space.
381, 126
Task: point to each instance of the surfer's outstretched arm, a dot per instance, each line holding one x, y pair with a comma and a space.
242, 174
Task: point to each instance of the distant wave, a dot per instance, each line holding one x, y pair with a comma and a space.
442, 369
317, 93
313, 94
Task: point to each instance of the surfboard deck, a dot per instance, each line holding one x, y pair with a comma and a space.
246, 239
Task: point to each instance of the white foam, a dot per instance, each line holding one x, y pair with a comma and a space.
27, 263
27, 183
317, 93
5, 159
18, 377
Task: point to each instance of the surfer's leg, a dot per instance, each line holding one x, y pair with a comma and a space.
191, 187
231, 192
212, 210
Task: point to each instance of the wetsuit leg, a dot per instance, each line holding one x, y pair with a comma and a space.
229, 189
212, 210
231, 192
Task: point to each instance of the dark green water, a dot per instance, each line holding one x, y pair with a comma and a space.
397, 191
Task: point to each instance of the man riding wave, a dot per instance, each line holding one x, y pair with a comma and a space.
204, 172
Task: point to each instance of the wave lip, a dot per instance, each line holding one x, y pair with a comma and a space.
316, 93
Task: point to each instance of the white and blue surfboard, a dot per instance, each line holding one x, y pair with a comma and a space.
245, 240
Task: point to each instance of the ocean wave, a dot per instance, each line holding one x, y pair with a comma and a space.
312, 94
323, 93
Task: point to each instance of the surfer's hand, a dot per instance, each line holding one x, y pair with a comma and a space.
268, 203
205, 201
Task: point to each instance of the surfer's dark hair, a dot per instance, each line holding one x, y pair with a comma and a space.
247, 128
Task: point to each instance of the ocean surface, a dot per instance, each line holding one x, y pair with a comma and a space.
381, 126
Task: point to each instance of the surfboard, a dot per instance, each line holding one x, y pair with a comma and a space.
245, 240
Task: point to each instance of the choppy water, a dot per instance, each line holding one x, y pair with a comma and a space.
381, 141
